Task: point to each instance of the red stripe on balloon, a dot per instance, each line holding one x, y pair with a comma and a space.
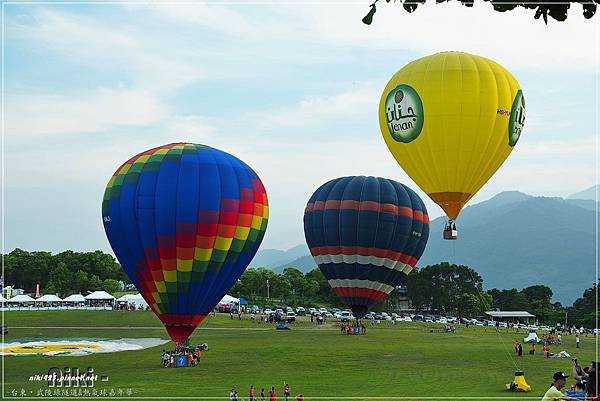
369, 206
357, 292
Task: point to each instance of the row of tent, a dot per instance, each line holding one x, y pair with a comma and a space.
97, 296
75, 298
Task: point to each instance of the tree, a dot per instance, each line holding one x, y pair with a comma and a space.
557, 9
110, 285
440, 287
60, 280
81, 282
537, 293
583, 311
509, 300
471, 305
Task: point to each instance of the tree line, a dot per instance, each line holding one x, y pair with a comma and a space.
443, 288
64, 273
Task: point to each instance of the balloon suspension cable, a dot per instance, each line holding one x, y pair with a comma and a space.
480, 296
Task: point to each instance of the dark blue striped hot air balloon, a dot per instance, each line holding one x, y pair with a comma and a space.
365, 234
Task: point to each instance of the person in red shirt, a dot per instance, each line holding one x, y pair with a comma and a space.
251, 393
300, 397
286, 391
272, 394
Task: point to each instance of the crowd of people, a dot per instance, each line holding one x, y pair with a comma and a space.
272, 394
586, 386
183, 356
357, 328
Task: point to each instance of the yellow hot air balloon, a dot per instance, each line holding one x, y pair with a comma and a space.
450, 120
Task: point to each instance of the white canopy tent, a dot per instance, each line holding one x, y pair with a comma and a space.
48, 298
75, 298
133, 299
228, 299
21, 299
99, 296
100, 299
2, 299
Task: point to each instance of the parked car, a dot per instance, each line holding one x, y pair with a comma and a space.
300, 311
503, 325
327, 315
337, 315
418, 318
369, 316
385, 316
428, 319
345, 316
254, 309
442, 320
290, 317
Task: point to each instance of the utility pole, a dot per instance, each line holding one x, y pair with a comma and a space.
267, 288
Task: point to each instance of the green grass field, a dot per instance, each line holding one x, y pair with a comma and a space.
402, 360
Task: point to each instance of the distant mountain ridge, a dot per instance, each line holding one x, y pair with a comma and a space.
513, 240
589, 194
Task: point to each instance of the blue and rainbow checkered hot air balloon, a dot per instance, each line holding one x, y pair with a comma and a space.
365, 234
184, 221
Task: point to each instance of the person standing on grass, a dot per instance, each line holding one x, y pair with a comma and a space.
300, 397
577, 339
520, 349
554, 393
251, 393
262, 394
286, 391
516, 346
272, 394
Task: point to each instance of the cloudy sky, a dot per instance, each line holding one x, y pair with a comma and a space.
290, 88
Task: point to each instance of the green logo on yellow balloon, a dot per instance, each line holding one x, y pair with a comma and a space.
404, 113
517, 119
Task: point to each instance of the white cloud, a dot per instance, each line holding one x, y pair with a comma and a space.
320, 112
128, 51
35, 116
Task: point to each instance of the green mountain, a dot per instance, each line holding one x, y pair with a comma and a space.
513, 240
516, 240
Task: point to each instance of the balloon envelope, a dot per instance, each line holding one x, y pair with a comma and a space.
365, 234
184, 221
450, 120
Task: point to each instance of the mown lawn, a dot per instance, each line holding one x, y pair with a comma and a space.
403, 360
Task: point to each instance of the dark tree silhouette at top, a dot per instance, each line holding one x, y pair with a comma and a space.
553, 8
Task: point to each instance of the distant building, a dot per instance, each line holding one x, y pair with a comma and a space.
9, 292
510, 316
